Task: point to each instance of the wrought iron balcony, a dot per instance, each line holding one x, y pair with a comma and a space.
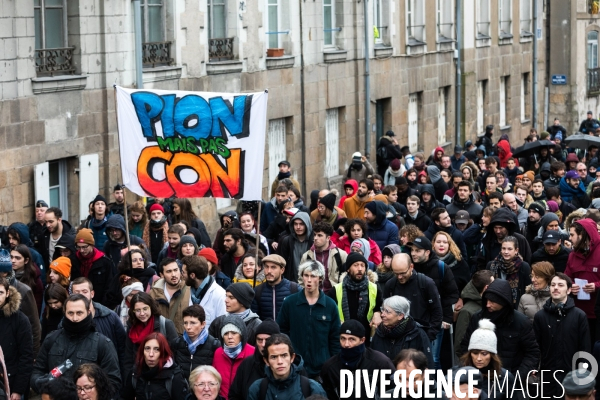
57, 61
593, 81
156, 53
220, 49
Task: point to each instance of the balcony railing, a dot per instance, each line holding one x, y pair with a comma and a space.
57, 61
593, 81
156, 53
220, 49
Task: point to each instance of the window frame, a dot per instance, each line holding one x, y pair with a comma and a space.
502, 33
331, 31
483, 8
210, 4
445, 27
378, 20
65, 31
332, 149
415, 21
62, 186
145, 6
504, 83
526, 5
589, 52
271, 35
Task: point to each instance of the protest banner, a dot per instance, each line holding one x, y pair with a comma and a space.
192, 144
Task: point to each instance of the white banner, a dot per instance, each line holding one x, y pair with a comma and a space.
192, 144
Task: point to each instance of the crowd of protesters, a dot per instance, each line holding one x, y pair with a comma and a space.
487, 258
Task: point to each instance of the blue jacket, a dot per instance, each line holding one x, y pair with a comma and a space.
382, 231
263, 306
222, 280
268, 214
322, 320
36, 257
288, 389
98, 230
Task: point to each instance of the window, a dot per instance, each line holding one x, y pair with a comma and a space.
154, 21
378, 25
277, 146
526, 20
503, 100
481, 92
505, 19
593, 73
273, 23
415, 24
51, 184
445, 20
216, 19
524, 96
328, 23
332, 134
52, 53
483, 19
442, 114
413, 122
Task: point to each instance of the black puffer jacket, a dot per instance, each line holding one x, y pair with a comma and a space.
101, 275
413, 337
203, 355
16, 343
560, 332
152, 384
474, 209
446, 285
113, 249
517, 346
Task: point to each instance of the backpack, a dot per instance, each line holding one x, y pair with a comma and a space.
168, 383
382, 156
304, 385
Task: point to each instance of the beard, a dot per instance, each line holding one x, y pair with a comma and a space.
233, 249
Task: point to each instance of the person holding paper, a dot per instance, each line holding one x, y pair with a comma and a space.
584, 263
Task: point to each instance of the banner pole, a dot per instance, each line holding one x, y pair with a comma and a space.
124, 187
257, 239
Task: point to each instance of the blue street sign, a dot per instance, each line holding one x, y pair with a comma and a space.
559, 79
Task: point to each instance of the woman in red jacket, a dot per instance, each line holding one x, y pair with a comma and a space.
228, 358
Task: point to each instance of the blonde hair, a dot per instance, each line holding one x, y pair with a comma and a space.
453, 248
204, 368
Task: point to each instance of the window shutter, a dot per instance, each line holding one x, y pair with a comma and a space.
503, 101
277, 146
441, 117
479, 107
42, 182
332, 154
413, 123
89, 182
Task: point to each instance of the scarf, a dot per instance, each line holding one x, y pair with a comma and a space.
539, 293
283, 175
363, 298
156, 225
393, 332
97, 224
243, 315
139, 331
351, 357
567, 192
449, 260
510, 268
331, 219
200, 340
198, 293
233, 352
171, 253
87, 262
396, 174
77, 328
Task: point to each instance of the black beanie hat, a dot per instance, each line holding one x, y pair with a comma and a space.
242, 292
538, 208
267, 327
328, 201
355, 257
353, 327
99, 198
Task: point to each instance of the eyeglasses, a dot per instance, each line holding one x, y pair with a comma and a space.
85, 389
83, 247
401, 273
582, 170
210, 385
386, 311
143, 310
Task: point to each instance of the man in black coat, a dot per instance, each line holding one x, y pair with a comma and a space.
93, 264
463, 200
561, 330
441, 221
552, 251
425, 306
392, 151
517, 347
352, 357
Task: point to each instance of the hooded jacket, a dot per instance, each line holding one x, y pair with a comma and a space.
112, 249
559, 260
475, 210
226, 366
561, 332
471, 305
158, 294
504, 153
490, 248
355, 208
36, 257
517, 347
382, 231
439, 185
354, 185
433, 204
289, 388
578, 196
292, 249
252, 322
446, 286
585, 266
16, 343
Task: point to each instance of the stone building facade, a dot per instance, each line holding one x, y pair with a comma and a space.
57, 107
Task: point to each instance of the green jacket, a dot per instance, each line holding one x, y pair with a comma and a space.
472, 304
296, 319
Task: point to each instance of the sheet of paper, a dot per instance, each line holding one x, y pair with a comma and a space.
581, 295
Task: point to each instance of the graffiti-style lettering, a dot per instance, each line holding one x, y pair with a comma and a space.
191, 116
213, 178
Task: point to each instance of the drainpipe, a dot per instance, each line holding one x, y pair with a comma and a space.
534, 96
458, 114
137, 19
302, 117
367, 84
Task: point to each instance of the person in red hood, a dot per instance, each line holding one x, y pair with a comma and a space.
584, 263
94, 265
436, 157
350, 187
504, 153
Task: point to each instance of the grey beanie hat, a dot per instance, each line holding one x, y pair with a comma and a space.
188, 239
238, 323
484, 338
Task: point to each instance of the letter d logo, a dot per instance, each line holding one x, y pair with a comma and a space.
581, 379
